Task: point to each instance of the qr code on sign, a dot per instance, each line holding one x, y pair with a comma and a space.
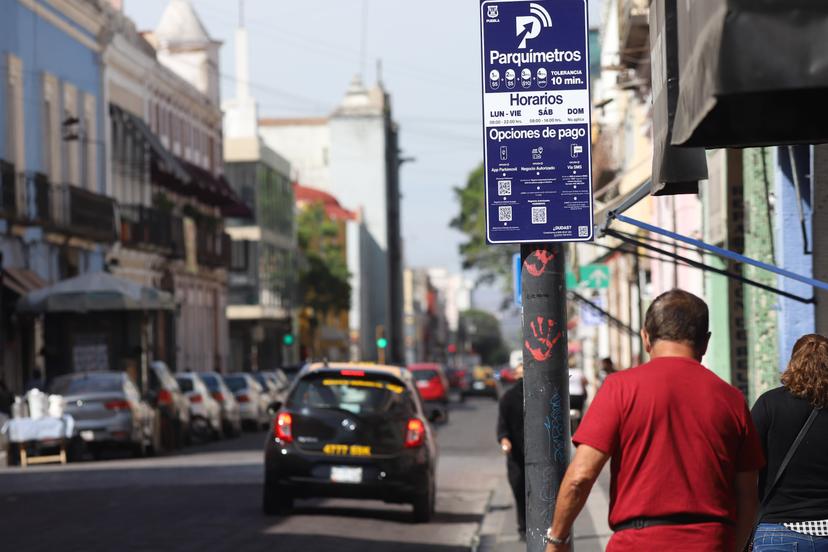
504, 187
504, 214
583, 231
539, 215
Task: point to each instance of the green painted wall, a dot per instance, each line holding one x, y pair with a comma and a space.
760, 306
716, 294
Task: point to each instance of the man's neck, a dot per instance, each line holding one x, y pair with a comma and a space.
662, 348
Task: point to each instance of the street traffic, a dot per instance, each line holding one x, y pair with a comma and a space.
209, 496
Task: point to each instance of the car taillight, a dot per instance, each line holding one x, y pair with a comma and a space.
218, 396
352, 373
414, 433
243, 398
196, 399
164, 397
117, 405
283, 427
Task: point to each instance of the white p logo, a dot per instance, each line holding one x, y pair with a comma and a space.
528, 27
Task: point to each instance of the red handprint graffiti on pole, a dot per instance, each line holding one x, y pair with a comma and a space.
537, 262
542, 329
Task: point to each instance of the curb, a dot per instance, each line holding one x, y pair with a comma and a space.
498, 505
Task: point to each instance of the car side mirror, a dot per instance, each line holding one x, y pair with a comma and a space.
274, 407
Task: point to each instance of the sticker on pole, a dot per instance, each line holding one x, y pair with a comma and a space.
536, 119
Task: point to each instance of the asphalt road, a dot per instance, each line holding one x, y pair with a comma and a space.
208, 498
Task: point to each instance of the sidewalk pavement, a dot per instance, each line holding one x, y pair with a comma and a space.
591, 532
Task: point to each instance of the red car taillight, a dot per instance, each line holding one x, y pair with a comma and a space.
218, 396
283, 427
243, 398
117, 405
196, 399
165, 397
414, 433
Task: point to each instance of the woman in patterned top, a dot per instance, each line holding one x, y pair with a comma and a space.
796, 515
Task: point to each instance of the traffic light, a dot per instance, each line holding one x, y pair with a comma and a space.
382, 343
288, 339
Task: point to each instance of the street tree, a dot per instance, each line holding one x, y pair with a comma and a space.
482, 330
492, 262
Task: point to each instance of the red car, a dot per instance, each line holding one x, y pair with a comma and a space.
507, 375
433, 386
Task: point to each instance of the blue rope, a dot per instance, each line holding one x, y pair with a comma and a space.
724, 252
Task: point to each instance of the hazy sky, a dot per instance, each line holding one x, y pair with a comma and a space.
305, 52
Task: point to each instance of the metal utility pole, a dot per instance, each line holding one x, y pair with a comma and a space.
546, 384
538, 184
382, 343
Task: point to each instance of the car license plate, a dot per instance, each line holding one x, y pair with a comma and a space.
422, 384
343, 474
87, 435
479, 385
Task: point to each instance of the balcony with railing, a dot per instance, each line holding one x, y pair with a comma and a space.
8, 191
213, 245
152, 229
38, 194
634, 32
85, 214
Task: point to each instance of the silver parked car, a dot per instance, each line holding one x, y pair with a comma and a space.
108, 411
252, 399
269, 386
230, 414
205, 411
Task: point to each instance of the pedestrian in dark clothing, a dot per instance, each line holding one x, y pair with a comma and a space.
6, 399
795, 516
510, 437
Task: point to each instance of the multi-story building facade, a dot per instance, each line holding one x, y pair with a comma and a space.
166, 172
758, 202
263, 271
354, 155
56, 220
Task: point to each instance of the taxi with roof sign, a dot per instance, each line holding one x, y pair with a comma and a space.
351, 430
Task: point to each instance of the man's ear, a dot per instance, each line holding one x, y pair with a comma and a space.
703, 347
645, 337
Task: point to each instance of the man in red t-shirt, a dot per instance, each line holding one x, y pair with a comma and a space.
685, 453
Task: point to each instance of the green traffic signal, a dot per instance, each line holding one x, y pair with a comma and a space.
288, 339
382, 343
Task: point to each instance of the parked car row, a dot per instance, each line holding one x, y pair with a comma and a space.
177, 409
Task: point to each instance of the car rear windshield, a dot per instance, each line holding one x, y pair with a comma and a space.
424, 375
89, 383
186, 384
262, 379
356, 395
236, 383
210, 381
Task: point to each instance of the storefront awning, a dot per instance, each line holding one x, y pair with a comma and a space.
216, 191
752, 73
676, 170
162, 158
95, 292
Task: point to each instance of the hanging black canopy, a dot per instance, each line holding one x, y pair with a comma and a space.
675, 170
752, 73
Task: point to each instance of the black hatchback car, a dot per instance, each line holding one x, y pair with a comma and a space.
351, 431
